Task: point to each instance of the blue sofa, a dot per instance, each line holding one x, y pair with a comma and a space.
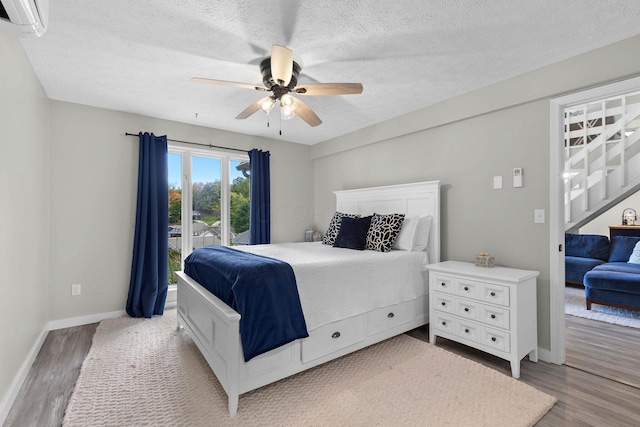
608, 280
582, 253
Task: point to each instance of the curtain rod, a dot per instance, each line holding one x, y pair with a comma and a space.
194, 143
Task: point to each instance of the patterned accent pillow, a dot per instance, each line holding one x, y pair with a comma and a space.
383, 231
334, 227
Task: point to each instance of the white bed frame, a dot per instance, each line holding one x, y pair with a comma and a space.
215, 327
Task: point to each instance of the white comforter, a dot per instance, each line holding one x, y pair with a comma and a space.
336, 283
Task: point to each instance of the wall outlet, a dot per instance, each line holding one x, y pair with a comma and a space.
76, 289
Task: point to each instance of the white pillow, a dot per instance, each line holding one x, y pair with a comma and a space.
406, 238
635, 254
422, 233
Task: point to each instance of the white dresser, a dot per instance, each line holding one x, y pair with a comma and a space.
491, 309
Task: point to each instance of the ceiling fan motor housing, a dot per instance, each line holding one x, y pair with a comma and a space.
267, 79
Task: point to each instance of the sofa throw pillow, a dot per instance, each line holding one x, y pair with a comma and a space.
383, 231
621, 248
334, 227
593, 246
635, 255
353, 233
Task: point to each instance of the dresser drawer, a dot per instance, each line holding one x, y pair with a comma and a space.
443, 302
467, 288
495, 316
444, 284
467, 308
500, 340
469, 330
443, 322
495, 294
385, 318
332, 337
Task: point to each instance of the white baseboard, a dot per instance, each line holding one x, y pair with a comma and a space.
18, 380
14, 389
84, 320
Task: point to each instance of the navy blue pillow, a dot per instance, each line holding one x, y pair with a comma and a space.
353, 233
621, 248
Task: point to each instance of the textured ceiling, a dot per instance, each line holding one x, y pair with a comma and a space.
139, 56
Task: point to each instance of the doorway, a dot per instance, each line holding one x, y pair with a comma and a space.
557, 205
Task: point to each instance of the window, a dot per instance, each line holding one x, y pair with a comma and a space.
208, 201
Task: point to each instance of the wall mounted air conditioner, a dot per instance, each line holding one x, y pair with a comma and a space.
24, 18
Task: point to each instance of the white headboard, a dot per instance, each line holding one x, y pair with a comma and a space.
415, 199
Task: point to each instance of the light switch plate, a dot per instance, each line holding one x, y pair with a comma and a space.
539, 216
497, 182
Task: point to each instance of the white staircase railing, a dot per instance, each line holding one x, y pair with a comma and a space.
602, 155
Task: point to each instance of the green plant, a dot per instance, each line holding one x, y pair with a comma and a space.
175, 264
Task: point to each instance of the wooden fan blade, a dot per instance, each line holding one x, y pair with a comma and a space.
228, 83
251, 108
329, 89
305, 113
281, 64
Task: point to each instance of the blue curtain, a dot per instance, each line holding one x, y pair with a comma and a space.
149, 270
260, 198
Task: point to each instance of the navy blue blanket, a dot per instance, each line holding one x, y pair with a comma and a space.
262, 289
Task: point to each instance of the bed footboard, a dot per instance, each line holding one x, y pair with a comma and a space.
215, 328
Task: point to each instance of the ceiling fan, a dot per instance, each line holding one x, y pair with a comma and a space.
280, 76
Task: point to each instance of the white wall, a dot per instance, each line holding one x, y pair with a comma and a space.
93, 192
24, 215
613, 216
466, 141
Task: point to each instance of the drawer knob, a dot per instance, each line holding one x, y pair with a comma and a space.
335, 335
493, 294
493, 316
466, 331
444, 323
443, 284
444, 303
466, 288
494, 339
390, 315
466, 309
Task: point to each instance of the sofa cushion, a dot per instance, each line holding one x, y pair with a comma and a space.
612, 280
587, 246
576, 267
621, 267
622, 247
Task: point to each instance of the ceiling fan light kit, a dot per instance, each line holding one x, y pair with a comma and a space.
280, 76
266, 104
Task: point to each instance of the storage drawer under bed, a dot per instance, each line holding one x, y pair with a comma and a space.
333, 337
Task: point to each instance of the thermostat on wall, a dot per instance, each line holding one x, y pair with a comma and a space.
518, 180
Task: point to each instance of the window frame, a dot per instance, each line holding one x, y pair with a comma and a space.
187, 152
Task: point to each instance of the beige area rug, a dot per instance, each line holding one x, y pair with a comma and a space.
575, 305
146, 373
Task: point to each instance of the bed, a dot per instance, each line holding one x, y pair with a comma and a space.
335, 327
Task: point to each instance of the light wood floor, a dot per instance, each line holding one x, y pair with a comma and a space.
584, 399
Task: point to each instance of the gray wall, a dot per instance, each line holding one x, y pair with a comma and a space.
69, 179
94, 169
24, 213
466, 141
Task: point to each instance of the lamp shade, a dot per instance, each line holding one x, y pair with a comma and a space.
266, 104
